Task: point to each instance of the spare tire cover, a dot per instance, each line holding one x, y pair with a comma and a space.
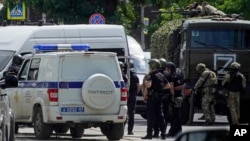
98, 91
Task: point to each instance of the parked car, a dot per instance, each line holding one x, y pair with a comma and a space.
7, 123
205, 134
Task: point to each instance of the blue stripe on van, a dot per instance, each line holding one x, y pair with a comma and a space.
62, 85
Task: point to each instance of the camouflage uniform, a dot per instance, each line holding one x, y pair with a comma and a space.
208, 90
208, 9
194, 6
234, 81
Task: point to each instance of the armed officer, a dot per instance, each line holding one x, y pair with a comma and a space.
124, 76
155, 84
177, 99
166, 98
134, 88
234, 82
16, 64
206, 83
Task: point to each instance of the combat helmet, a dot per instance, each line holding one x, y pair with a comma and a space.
154, 64
121, 65
163, 63
235, 66
200, 67
17, 59
171, 66
131, 66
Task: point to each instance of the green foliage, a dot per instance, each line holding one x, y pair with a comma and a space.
163, 42
124, 15
167, 15
78, 11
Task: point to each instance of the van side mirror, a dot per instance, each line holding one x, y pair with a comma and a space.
11, 81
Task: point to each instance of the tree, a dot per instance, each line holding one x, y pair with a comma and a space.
70, 11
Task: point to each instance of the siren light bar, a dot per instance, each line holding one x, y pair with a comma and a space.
58, 47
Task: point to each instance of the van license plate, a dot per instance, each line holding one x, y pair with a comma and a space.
72, 109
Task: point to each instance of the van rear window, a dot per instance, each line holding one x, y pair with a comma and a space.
81, 67
118, 51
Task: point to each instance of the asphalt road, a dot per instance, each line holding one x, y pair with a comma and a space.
94, 134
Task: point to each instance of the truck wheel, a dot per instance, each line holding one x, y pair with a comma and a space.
41, 129
115, 131
77, 131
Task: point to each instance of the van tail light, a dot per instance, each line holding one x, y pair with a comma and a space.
124, 94
53, 95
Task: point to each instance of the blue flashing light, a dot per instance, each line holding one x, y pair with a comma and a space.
84, 47
45, 47
58, 47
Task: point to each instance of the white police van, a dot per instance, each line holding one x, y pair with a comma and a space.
69, 89
21, 39
141, 69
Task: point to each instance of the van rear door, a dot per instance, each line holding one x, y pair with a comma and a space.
89, 84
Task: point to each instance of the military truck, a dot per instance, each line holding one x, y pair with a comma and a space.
215, 41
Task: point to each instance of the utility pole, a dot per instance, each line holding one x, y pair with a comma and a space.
28, 14
142, 28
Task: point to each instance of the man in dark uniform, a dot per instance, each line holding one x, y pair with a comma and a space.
16, 64
155, 84
134, 88
124, 76
176, 126
165, 98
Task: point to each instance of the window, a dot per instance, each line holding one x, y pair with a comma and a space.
214, 38
220, 38
24, 71
34, 67
5, 57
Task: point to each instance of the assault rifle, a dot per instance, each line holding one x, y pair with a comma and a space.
185, 13
195, 13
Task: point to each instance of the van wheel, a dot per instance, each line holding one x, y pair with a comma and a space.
6, 133
61, 129
115, 131
144, 116
41, 129
77, 131
12, 129
3, 133
104, 129
16, 128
